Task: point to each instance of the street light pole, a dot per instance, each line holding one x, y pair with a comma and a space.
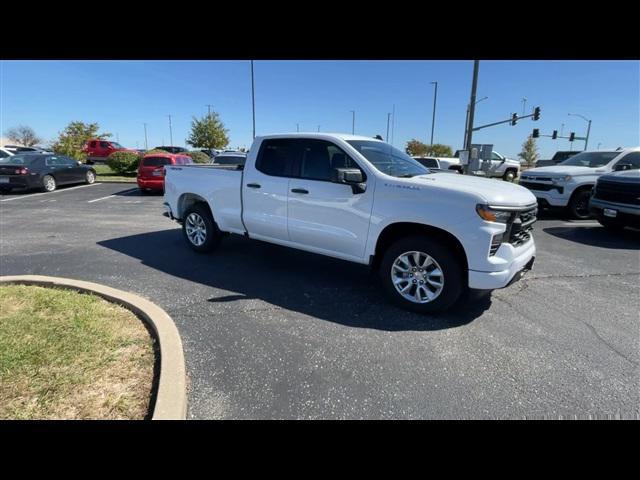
466, 121
170, 131
388, 117
586, 141
146, 145
433, 120
472, 104
253, 101
353, 122
297, 127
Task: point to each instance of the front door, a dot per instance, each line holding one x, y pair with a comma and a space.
323, 214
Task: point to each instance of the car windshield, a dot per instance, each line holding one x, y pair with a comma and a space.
388, 159
116, 145
19, 159
590, 159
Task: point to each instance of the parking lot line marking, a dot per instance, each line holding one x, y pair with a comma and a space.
582, 224
48, 193
114, 195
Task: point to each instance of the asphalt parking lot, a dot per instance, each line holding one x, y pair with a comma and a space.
270, 332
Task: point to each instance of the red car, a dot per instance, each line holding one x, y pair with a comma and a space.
98, 150
151, 169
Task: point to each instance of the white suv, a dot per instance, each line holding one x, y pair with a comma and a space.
569, 183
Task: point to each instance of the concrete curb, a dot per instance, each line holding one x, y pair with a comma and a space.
171, 400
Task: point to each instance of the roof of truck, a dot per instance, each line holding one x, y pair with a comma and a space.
343, 136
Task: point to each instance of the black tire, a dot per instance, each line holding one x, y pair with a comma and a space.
507, 175
212, 234
49, 187
90, 177
610, 224
452, 272
579, 204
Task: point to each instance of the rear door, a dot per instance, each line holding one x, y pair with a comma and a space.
265, 188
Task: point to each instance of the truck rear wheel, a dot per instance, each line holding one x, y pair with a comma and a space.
421, 275
199, 229
510, 175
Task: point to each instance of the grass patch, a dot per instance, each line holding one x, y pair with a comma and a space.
69, 355
105, 174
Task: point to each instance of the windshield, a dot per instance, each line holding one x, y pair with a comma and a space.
388, 159
590, 159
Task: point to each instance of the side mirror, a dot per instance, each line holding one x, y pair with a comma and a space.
622, 166
350, 176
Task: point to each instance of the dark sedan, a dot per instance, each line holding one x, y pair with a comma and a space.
42, 171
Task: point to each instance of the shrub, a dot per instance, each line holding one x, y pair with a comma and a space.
123, 162
199, 157
156, 150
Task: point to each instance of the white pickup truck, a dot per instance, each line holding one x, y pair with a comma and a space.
569, 183
430, 235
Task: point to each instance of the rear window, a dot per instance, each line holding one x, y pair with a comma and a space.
19, 159
155, 161
230, 160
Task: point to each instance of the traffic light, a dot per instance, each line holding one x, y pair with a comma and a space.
554, 135
536, 113
514, 118
572, 136
536, 133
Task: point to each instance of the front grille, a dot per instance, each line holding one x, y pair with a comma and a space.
538, 179
626, 193
540, 186
520, 226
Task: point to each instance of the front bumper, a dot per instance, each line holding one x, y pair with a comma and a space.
505, 277
625, 214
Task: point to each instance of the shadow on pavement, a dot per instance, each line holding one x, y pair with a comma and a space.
626, 239
315, 285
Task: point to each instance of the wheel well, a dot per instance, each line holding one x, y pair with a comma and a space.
188, 200
396, 231
579, 189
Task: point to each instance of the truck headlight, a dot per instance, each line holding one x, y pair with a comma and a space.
492, 214
562, 179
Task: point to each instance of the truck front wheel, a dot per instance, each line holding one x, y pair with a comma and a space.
510, 175
421, 275
199, 229
579, 204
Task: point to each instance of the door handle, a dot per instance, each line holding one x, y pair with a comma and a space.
299, 190
253, 185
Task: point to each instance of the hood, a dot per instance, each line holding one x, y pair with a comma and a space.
562, 170
491, 191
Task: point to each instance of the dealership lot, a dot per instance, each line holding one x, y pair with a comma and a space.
270, 332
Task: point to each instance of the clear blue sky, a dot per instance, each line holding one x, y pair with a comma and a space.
121, 95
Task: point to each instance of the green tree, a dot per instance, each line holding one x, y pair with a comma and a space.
529, 151
72, 139
439, 150
208, 132
23, 135
416, 148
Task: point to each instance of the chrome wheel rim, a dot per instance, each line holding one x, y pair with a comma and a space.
417, 277
196, 229
49, 183
91, 177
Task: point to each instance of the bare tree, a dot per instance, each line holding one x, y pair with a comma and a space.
23, 135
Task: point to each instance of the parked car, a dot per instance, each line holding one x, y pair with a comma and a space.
211, 152
98, 150
429, 235
501, 167
172, 149
568, 184
615, 200
440, 163
42, 171
151, 169
235, 158
557, 158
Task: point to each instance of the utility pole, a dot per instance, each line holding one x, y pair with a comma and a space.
433, 121
524, 103
318, 128
117, 137
297, 127
253, 101
393, 122
208, 109
472, 108
353, 122
388, 117
170, 131
599, 143
146, 145
586, 141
